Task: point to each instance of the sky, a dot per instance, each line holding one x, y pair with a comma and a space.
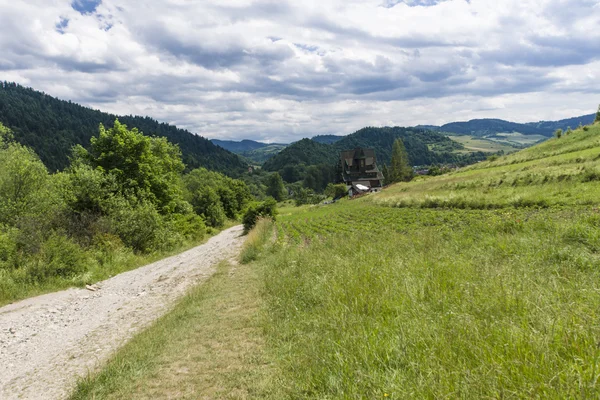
281, 70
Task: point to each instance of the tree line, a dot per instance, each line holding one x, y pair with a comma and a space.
124, 195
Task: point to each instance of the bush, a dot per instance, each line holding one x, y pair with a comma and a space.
336, 191
266, 209
558, 133
58, 257
8, 247
137, 225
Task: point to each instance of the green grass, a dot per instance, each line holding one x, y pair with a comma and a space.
556, 172
517, 138
474, 143
482, 283
210, 346
437, 303
477, 284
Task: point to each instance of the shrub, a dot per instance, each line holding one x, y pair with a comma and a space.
58, 257
137, 225
558, 133
8, 247
206, 202
336, 191
266, 209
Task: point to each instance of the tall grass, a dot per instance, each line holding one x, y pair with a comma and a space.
257, 238
496, 305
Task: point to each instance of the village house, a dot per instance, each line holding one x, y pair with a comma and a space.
358, 170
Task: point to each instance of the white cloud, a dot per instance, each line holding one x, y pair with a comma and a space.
281, 70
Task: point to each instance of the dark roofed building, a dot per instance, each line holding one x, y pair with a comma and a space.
358, 170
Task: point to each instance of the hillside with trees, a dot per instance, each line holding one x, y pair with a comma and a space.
487, 126
424, 147
51, 127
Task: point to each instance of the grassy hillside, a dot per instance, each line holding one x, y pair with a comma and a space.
477, 284
489, 127
51, 127
556, 172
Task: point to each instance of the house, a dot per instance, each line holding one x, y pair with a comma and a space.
358, 170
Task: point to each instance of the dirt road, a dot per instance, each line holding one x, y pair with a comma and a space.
48, 341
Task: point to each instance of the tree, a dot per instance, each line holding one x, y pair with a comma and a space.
386, 174
597, 115
400, 169
145, 167
558, 133
275, 187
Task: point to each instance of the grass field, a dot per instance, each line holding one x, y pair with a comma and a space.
517, 138
482, 283
473, 143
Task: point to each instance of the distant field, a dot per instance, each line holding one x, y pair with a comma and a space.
473, 143
517, 138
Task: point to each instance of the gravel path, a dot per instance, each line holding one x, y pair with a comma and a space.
47, 342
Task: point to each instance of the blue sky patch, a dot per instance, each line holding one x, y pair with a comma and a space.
85, 6
62, 25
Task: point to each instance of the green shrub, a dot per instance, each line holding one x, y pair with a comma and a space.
8, 247
58, 257
206, 202
336, 191
558, 133
137, 225
266, 209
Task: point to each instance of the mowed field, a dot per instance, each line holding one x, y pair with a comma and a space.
473, 143
482, 283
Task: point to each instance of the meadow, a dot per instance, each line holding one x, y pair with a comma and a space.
482, 283
474, 143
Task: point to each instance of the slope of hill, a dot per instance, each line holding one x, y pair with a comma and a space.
490, 127
239, 146
252, 151
327, 139
261, 155
51, 127
550, 173
424, 147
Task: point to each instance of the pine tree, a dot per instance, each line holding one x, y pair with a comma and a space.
386, 174
597, 115
275, 187
400, 169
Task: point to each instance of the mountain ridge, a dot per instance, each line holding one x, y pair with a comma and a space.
51, 127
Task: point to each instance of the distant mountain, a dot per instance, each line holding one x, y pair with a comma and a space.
490, 127
327, 139
254, 152
52, 127
259, 156
238, 147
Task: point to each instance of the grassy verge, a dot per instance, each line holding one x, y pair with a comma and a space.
210, 346
100, 264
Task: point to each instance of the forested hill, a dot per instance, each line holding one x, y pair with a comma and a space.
51, 127
424, 147
239, 147
487, 126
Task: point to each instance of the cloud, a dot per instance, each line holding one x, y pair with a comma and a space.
282, 70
